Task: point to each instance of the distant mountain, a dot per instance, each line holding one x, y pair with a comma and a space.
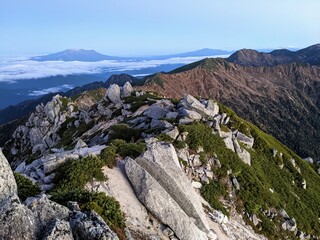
76, 55
205, 52
249, 57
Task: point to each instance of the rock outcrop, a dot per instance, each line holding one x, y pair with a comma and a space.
8, 186
157, 175
113, 93
126, 90
16, 220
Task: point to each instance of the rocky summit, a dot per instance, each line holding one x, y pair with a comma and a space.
132, 164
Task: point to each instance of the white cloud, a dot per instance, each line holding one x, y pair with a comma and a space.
14, 69
50, 90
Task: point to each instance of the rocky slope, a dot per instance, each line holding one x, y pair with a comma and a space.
40, 218
283, 100
179, 169
248, 57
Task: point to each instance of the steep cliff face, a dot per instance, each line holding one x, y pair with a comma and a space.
283, 100
143, 166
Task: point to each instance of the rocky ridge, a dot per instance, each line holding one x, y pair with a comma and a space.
166, 179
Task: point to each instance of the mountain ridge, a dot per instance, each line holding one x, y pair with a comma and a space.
248, 57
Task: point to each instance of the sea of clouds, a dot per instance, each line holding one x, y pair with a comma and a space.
62, 88
14, 69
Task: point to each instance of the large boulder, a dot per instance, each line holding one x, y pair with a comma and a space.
190, 114
113, 93
242, 153
213, 106
90, 226
126, 90
8, 186
52, 108
155, 111
159, 202
249, 141
17, 221
192, 103
162, 164
46, 211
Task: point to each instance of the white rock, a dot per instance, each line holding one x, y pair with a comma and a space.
174, 133
113, 93
126, 90
196, 184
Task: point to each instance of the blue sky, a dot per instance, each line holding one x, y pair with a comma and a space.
145, 27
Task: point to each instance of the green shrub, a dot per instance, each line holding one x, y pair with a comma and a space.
211, 193
108, 156
75, 174
164, 138
179, 144
125, 149
26, 188
200, 135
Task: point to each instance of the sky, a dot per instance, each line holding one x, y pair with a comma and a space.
146, 27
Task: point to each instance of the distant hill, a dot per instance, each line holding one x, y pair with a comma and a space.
249, 57
76, 55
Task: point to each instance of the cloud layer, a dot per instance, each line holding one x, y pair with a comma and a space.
13, 69
62, 88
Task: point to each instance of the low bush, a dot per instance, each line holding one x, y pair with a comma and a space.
108, 156
107, 207
125, 149
75, 174
211, 193
26, 188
